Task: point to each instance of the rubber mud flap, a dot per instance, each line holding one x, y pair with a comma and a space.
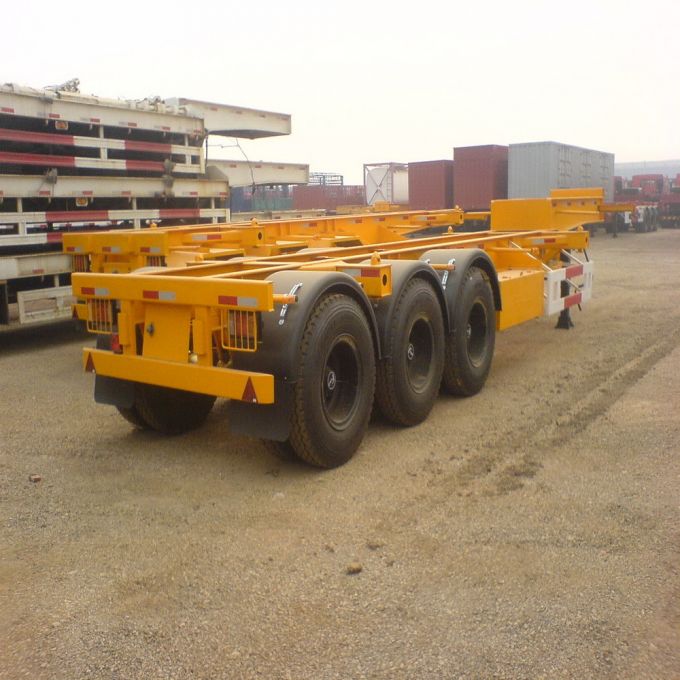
264, 421
114, 392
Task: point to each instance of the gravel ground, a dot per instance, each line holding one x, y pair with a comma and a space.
532, 531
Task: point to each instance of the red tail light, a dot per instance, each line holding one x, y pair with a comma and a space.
115, 344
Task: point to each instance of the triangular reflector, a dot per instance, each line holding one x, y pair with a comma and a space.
249, 393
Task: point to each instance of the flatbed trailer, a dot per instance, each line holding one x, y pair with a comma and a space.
305, 342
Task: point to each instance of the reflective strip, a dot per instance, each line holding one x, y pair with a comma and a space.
237, 301
101, 292
165, 295
554, 301
206, 237
363, 272
247, 301
572, 300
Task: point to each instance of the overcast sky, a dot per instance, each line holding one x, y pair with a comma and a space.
375, 81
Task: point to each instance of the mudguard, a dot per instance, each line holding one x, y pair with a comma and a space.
462, 259
282, 333
112, 391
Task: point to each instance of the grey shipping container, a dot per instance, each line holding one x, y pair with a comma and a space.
535, 168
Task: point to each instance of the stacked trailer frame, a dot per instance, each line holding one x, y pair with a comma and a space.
70, 162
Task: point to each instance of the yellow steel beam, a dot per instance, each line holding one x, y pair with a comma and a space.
219, 382
617, 207
174, 290
521, 296
136, 247
543, 245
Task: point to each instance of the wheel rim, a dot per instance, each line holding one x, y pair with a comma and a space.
476, 334
340, 383
419, 353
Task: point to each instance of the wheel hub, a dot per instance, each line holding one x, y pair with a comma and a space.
410, 351
331, 380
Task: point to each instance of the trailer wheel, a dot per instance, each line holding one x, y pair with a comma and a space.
168, 410
408, 380
336, 383
469, 348
132, 416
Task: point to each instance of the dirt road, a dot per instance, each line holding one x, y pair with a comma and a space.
530, 531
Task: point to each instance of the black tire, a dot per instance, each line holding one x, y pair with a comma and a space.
336, 383
168, 410
408, 381
133, 417
281, 450
469, 348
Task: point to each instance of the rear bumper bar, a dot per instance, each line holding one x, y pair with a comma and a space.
219, 382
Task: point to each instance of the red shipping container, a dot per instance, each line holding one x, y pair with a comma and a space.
319, 197
430, 185
481, 175
649, 188
639, 180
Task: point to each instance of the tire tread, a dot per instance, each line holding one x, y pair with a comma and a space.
301, 436
455, 378
387, 398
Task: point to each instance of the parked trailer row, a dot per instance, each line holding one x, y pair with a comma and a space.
306, 343
70, 161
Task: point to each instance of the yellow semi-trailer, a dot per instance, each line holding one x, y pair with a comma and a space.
304, 343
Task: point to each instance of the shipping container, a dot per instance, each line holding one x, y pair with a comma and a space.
261, 198
651, 184
480, 175
311, 197
430, 185
665, 168
639, 180
535, 168
386, 182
